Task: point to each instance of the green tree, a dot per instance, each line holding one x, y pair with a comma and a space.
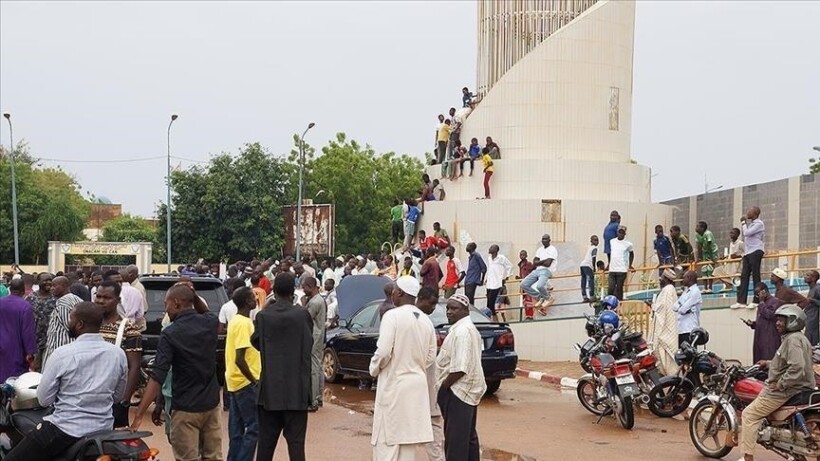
228, 210
126, 228
815, 165
363, 185
49, 207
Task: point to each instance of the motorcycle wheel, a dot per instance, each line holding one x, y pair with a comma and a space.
813, 424
626, 414
710, 441
669, 399
587, 394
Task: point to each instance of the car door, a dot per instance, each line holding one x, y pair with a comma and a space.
356, 353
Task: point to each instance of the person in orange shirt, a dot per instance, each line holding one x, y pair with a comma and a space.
256, 278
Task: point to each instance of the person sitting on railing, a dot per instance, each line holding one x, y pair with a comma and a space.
683, 248
707, 252
735, 251
493, 149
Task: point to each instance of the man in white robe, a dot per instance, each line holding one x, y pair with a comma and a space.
663, 330
405, 350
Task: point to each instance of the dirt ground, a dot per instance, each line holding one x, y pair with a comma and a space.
527, 420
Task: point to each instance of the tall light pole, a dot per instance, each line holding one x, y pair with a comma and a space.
13, 194
299, 203
706, 188
168, 200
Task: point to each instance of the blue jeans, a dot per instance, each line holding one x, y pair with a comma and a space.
243, 425
587, 281
535, 284
665, 261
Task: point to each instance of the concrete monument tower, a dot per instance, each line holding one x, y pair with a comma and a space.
555, 79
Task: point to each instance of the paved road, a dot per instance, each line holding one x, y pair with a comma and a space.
526, 421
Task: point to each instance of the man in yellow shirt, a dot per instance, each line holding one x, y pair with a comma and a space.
242, 368
443, 137
488, 170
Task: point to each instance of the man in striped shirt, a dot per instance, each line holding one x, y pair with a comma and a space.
58, 324
460, 381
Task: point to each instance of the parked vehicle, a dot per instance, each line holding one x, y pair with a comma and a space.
19, 415
626, 345
673, 394
208, 288
792, 431
350, 346
611, 386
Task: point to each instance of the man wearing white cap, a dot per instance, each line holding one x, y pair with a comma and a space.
406, 348
784, 292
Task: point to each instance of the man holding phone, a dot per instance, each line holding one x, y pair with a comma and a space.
766, 338
754, 234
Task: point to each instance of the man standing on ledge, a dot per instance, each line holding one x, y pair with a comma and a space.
611, 231
460, 381
405, 349
620, 262
754, 234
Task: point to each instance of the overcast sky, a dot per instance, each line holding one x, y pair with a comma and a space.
731, 89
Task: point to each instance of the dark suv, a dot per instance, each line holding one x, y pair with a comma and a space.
209, 288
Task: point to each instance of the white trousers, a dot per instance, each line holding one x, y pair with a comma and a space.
435, 449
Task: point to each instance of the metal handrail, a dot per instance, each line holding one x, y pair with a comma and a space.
651, 284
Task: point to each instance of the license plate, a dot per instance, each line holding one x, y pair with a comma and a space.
625, 379
628, 390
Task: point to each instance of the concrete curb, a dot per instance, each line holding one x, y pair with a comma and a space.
547, 378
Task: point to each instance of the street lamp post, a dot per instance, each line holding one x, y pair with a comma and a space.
299, 203
168, 199
13, 193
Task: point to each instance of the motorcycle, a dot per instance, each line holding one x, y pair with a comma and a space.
626, 345
673, 394
112, 445
611, 386
792, 431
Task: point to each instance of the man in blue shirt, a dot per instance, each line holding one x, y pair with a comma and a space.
82, 380
688, 307
476, 269
664, 249
611, 231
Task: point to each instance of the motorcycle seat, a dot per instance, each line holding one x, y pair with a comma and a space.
26, 420
91, 442
802, 398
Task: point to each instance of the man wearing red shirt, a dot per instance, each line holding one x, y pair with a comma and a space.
454, 273
430, 270
425, 242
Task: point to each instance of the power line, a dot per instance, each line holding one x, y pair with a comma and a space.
130, 160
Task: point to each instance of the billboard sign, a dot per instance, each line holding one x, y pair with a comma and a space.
317, 229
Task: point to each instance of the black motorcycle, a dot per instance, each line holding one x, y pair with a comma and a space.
673, 394
115, 445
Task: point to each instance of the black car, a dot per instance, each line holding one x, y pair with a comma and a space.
350, 346
209, 288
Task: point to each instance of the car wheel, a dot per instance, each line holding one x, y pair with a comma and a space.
330, 366
492, 387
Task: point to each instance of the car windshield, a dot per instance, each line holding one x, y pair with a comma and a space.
155, 292
439, 315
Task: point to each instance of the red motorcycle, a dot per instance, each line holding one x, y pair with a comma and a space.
611, 385
792, 431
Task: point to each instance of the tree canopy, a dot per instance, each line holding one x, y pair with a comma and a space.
230, 209
49, 207
363, 185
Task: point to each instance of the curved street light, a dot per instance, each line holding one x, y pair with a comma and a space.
13, 193
299, 203
168, 198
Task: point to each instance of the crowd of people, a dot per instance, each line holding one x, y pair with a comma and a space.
71, 325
